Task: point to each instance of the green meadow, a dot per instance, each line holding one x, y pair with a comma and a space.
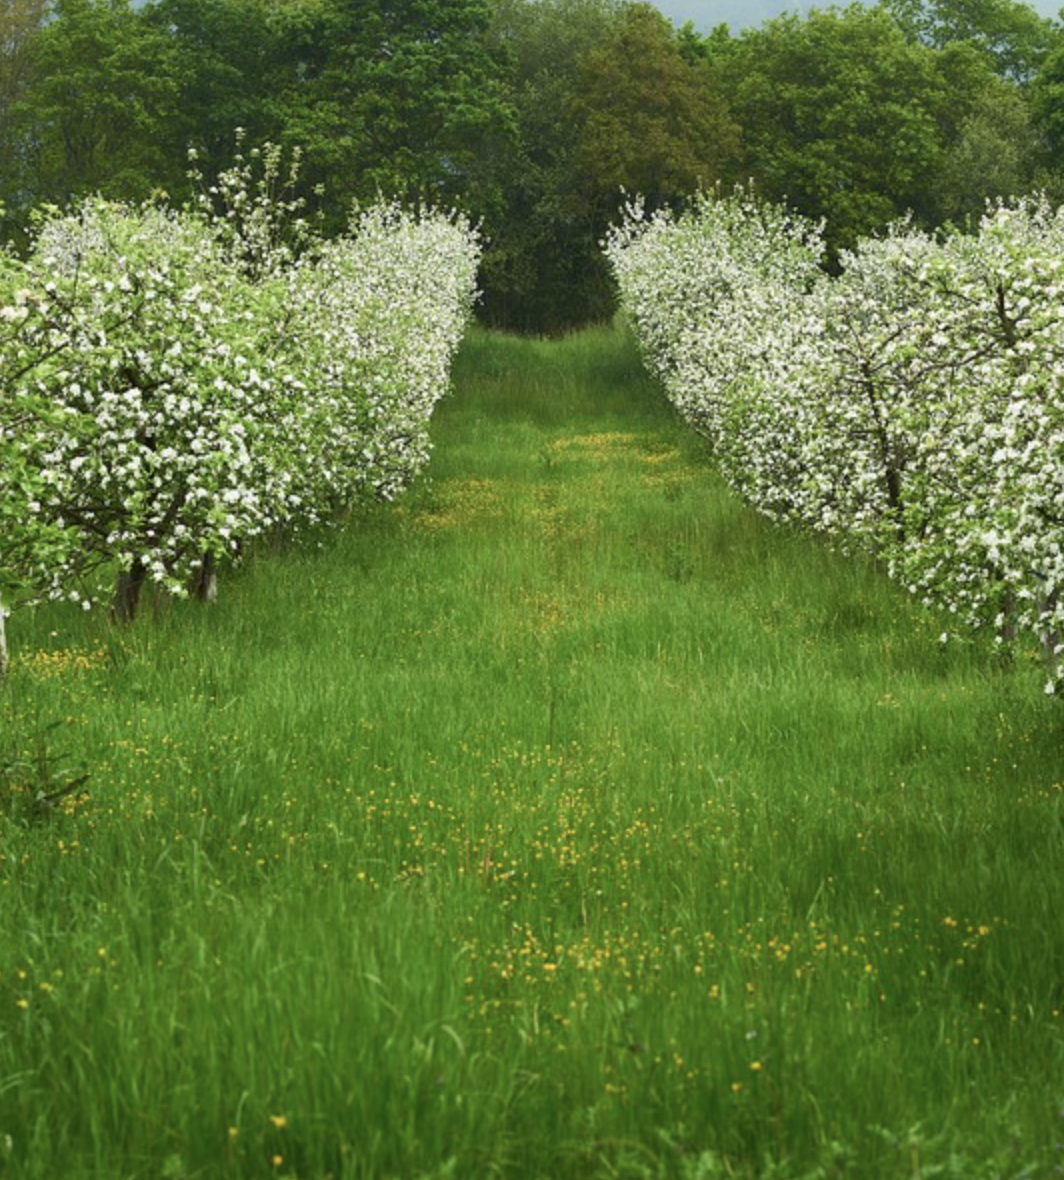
562, 821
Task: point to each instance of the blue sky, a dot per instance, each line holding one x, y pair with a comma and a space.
739, 14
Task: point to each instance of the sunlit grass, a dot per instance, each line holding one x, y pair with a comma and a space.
562, 821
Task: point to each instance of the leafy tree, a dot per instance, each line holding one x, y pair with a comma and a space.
20, 22
1011, 34
542, 271
100, 97
996, 154
606, 98
651, 120
399, 97
225, 65
396, 97
845, 117
1046, 97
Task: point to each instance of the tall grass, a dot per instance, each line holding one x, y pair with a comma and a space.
562, 821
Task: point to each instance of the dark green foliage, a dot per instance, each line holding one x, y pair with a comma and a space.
543, 271
101, 94
400, 97
997, 153
849, 119
1015, 39
227, 60
607, 101
403, 97
650, 120
1047, 107
20, 21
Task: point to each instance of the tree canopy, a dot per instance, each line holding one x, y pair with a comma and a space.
649, 119
847, 118
1011, 34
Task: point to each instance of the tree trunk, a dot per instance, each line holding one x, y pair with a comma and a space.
3, 641
1049, 636
127, 594
204, 583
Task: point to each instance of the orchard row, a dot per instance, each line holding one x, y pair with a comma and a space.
176, 383
910, 406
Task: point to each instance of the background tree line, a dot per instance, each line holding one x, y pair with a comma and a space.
533, 115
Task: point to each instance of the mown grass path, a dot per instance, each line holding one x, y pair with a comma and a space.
561, 821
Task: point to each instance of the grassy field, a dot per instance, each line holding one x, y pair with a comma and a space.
565, 821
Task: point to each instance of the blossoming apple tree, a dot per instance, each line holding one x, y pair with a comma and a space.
173, 384
909, 406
